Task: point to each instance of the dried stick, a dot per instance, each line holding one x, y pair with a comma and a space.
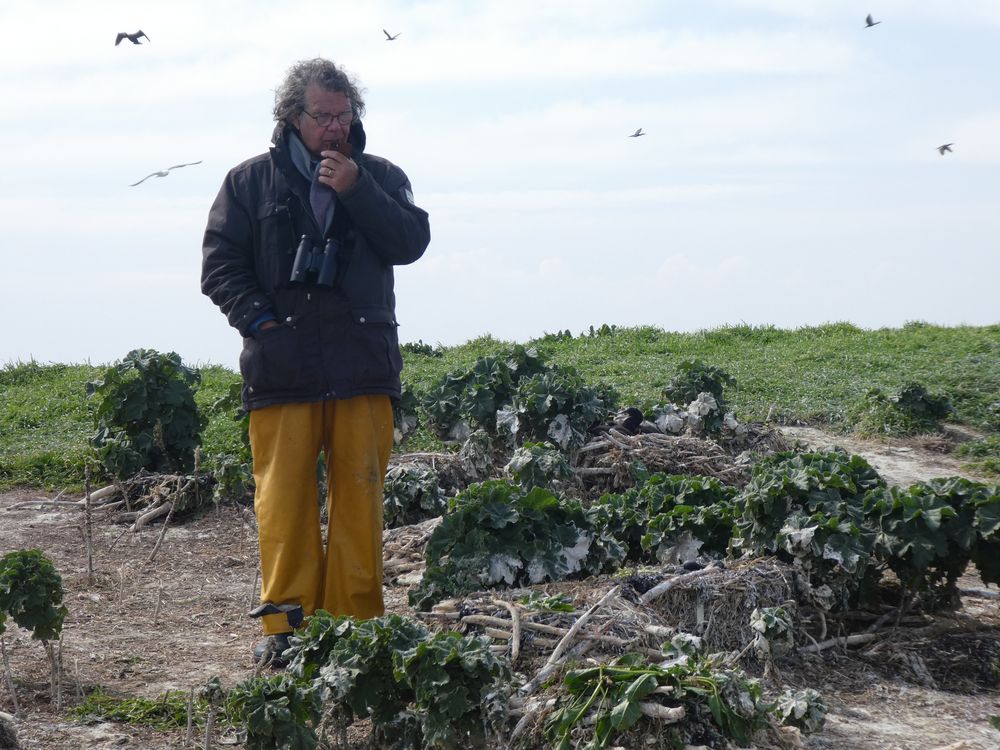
190, 718
515, 642
661, 588
88, 526
850, 640
76, 676
209, 725
59, 673
163, 532
10, 677
571, 635
151, 515
487, 621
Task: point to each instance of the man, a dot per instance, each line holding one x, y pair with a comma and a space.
298, 254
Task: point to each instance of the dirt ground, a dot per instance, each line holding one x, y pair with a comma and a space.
141, 628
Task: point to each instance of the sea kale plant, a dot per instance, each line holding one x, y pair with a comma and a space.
146, 415
497, 534
31, 593
808, 510
538, 465
930, 531
411, 495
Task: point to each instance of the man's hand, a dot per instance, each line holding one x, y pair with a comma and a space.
337, 171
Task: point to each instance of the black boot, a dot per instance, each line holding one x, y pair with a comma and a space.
270, 650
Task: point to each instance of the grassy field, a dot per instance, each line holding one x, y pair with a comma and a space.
817, 375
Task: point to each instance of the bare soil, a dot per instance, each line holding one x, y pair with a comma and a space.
935, 691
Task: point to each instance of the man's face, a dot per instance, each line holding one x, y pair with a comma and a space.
320, 102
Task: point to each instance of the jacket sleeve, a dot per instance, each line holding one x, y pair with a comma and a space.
228, 274
383, 211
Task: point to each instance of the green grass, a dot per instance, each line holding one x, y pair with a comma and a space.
169, 711
816, 375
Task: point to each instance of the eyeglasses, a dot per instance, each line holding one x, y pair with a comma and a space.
323, 119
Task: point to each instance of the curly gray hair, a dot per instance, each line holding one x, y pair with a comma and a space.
290, 96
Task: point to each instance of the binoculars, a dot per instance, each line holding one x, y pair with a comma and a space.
313, 264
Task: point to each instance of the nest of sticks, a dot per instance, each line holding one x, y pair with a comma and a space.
644, 612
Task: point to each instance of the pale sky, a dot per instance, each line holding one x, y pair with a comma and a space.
789, 174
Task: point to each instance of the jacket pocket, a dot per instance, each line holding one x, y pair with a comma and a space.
376, 346
270, 360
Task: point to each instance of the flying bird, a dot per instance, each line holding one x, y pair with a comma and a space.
637, 133
390, 37
945, 147
869, 22
134, 38
164, 172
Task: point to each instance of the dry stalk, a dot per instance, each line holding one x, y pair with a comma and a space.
190, 719
150, 515
76, 676
10, 676
661, 588
515, 643
88, 525
163, 532
849, 640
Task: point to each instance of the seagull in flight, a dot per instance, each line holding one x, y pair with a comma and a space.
945, 147
390, 37
134, 38
164, 172
637, 133
869, 22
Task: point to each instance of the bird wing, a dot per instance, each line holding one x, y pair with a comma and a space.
143, 179
187, 164
387, 35
868, 19
118, 39
141, 33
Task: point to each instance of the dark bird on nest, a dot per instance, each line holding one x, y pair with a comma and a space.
869, 22
134, 38
627, 421
164, 172
945, 147
637, 133
390, 37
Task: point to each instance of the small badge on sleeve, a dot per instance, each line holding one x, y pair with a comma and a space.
408, 196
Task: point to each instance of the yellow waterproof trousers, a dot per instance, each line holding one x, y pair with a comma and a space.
346, 578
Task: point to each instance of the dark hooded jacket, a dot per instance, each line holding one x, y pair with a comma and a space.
333, 341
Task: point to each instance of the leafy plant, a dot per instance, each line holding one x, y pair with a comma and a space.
495, 533
404, 414
558, 405
279, 712
692, 378
146, 415
911, 411
668, 517
538, 465
411, 495
358, 675
31, 593
808, 509
774, 631
612, 695
931, 530
460, 690
804, 709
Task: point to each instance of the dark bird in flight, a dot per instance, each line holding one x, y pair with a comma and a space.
164, 172
945, 147
134, 38
390, 37
869, 22
637, 133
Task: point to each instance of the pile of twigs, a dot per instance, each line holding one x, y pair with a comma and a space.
403, 548
607, 461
